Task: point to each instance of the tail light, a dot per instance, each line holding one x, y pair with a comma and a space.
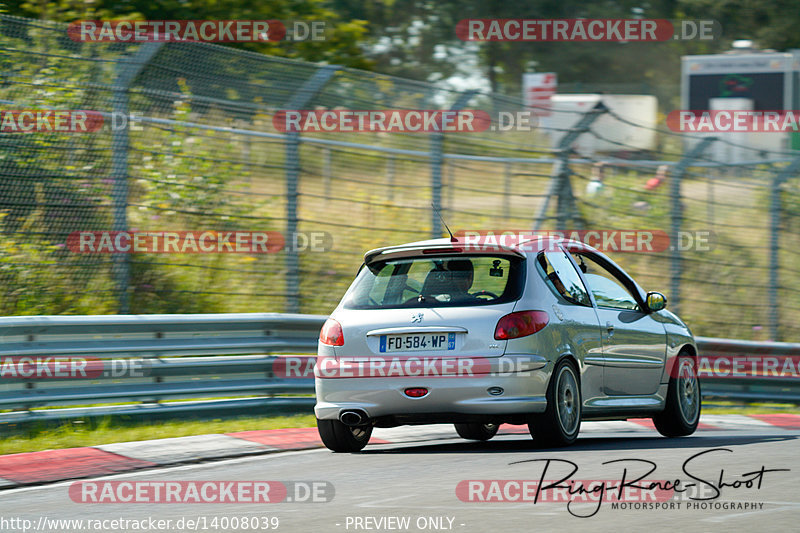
520, 324
331, 333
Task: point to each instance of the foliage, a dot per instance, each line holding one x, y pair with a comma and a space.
416, 38
341, 45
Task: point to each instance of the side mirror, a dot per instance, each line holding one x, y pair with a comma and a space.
656, 301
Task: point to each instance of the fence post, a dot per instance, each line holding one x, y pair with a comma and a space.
451, 181
390, 176
300, 99
559, 178
437, 140
326, 172
126, 70
507, 189
774, 244
677, 217
437, 158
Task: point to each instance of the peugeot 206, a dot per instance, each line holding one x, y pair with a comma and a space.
545, 333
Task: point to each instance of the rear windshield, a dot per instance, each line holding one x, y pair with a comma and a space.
437, 282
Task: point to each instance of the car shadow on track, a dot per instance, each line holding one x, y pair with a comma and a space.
527, 445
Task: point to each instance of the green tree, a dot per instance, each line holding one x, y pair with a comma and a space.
342, 43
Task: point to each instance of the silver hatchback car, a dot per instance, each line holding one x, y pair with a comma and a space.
545, 333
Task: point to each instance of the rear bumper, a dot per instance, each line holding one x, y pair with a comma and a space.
523, 392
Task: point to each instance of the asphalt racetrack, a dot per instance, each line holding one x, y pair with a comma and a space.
732, 480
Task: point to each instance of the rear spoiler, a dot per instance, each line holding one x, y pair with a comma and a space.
418, 250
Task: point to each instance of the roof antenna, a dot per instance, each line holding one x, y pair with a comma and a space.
452, 239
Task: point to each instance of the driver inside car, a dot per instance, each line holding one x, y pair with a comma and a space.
462, 273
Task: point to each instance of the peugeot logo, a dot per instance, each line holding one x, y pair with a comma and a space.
417, 317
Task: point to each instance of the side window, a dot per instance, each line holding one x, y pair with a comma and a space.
562, 276
607, 290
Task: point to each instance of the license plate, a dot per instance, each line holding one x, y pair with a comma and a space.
430, 342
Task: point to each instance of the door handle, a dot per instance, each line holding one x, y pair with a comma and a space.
610, 327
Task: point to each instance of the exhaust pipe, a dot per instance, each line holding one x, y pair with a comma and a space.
353, 417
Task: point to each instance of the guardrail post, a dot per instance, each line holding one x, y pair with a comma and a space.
774, 244
559, 178
437, 158
297, 102
127, 70
677, 218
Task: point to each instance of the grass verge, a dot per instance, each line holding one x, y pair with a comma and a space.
76, 434
731, 408
83, 433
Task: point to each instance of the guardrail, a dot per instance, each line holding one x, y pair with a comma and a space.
767, 371
153, 360
149, 362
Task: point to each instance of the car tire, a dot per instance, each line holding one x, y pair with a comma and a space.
477, 431
560, 423
342, 438
682, 411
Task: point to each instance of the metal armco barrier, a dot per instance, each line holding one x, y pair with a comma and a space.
146, 362
776, 370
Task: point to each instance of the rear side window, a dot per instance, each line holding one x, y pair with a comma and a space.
437, 282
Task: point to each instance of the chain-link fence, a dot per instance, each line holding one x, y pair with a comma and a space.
206, 155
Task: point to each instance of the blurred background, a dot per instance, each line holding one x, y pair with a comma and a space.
207, 155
